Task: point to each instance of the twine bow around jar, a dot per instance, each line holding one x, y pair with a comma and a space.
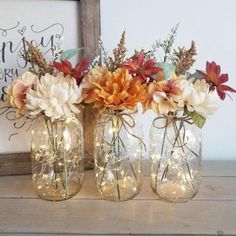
123, 118
173, 119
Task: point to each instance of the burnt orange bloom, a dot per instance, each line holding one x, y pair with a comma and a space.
216, 80
117, 90
87, 84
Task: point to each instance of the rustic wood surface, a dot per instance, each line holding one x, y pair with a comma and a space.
89, 14
211, 212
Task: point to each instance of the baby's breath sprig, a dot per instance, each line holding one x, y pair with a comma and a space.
167, 44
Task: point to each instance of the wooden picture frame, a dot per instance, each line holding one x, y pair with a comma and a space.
19, 163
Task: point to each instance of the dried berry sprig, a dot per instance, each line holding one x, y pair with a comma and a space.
183, 59
35, 57
118, 58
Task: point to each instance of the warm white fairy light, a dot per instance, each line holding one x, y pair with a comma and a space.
183, 188
153, 175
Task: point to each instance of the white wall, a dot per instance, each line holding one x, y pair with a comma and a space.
211, 23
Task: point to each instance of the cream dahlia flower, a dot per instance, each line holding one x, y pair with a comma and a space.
56, 97
197, 97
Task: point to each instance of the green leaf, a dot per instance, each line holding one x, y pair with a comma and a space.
68, 54
198, 120
195, 75
168, 69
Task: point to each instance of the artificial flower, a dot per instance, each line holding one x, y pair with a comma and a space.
17, 91
78, 72
196, 96
163, 104
161, 96
87, 84
56, 96
137, 66
216, 80
117, 90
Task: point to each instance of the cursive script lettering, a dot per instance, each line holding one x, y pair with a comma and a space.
11, 62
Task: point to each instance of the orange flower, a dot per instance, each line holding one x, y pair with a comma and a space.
160, 96
87, 84
117, 90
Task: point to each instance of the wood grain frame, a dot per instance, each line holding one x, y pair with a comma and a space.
19, 163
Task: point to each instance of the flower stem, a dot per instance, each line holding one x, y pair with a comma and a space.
115, 133
162, 150
65, 161
182, 146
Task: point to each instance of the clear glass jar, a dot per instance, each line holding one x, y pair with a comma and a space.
175, 158
118, 156
57, 158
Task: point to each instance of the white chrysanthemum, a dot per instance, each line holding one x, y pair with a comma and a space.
197, 97
55, 96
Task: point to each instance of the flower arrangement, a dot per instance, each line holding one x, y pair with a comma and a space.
113, 87
51, 93
182, 101
194, 95
115, 93
170, 88
49, 88
56, 89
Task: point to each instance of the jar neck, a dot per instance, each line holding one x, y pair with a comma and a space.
117, 117
112, 112
56, 121
174, 115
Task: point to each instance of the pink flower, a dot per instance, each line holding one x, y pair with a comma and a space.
17, 91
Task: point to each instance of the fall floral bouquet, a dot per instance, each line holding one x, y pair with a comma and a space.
115, 93
47, 97
52, 88
182, 101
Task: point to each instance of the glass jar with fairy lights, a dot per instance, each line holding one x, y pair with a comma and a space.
57, 158
175, 158
118, 156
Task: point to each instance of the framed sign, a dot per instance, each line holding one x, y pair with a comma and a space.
45, 23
